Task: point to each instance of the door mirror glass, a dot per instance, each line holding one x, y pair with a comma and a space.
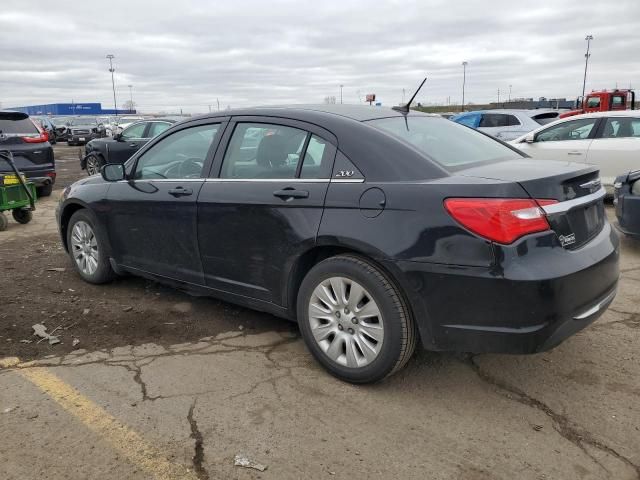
530, 138
113, 172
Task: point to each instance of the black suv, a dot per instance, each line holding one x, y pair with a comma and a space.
31, 150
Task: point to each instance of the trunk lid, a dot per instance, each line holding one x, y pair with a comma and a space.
579, 214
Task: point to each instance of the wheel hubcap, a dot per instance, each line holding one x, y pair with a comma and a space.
92, 166
84, 248
346, 322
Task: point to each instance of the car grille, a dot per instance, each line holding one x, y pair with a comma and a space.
80, 132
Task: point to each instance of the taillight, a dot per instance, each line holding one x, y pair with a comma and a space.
501, 220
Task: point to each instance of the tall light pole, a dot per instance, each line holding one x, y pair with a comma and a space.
464, 81
341, 86
113, 83
510, 93
130, 97
588, 38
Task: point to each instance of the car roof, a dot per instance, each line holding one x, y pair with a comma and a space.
359, 113
12, 115
611, 113
528, 112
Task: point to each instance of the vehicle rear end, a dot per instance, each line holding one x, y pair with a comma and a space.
509, 254
626, 199
32, 152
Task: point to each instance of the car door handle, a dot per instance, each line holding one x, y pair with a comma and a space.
133, 145
290, 192
180, 192
574, 153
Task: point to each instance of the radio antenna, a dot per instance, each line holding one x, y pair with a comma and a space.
405, 108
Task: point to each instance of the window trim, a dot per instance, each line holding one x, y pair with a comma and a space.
311, 129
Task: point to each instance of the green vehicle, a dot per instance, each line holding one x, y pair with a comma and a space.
16, 194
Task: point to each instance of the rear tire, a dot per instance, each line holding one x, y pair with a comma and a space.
21, 215
45, 190
354, 320
87, 248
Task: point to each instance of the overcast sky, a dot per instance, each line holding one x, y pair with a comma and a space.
187, 54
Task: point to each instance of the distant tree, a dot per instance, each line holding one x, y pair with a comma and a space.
330, 100
129, 105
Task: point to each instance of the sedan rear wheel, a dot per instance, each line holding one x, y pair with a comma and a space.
354, 320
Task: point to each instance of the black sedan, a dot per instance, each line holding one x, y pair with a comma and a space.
119, 148
374, 229
626, 198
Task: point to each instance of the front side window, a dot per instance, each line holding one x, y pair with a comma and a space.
447, 143
178, 156
593, 102
492, 120
134, 131
261, 150
571, 130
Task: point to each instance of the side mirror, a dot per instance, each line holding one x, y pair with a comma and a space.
530, 138
117, 136
113, 172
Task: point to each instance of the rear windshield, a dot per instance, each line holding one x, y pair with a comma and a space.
451, 145
12, 127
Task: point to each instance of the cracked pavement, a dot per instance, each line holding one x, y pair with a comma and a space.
184, 401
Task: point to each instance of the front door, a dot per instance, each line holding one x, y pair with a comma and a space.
127, 143
152, 216
566, 141
264, 209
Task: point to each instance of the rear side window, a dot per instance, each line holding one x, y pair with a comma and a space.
447, 143
618, 101
471, 120
19, 127
621, 128
262, 150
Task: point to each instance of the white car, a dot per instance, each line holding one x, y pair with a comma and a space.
122, 122
506, 124
610, 140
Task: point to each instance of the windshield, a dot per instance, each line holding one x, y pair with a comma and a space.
451, 145
128, 119
84, 120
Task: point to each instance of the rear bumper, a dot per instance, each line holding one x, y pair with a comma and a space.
41, 178
535, 297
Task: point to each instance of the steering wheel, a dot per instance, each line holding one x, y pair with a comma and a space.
190, 168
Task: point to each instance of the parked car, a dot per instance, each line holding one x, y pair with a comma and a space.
119, 148
506, 124
32, 152
61, 125
626, 199
47, 125
609, 140
123, 121
372, 228
84, 129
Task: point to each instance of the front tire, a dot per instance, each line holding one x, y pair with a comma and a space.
87, 249
354, 320
93, 164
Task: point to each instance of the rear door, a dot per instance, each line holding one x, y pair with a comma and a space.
262, 206
152, 215
129, 142
616, 148
20, 135
566, 141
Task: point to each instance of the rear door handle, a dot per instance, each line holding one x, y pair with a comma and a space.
290, 192
574, 153
180, 192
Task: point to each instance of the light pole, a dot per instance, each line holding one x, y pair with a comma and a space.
341, 86
498, 95
510, 93
464, 81
588, 38
113, 83
130, 97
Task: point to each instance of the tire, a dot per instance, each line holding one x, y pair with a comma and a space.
21, 215
4, 222
93, 164
354, 343
44, 191
87, 249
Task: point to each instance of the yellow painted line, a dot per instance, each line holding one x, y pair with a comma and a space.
119, 436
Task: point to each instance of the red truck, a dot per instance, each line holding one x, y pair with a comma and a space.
603, 101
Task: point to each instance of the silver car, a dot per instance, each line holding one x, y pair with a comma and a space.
506, 124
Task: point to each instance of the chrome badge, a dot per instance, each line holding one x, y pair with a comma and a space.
593, 185
566, 240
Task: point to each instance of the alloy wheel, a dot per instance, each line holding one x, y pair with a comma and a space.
84, 247
346, 322
93, 168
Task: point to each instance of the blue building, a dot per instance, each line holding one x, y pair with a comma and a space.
57, 109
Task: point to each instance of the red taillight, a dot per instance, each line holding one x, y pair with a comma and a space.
40, 137
501, 220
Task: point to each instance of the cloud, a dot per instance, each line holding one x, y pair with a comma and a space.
188, 54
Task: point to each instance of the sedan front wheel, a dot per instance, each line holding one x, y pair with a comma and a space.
354, 320
86, 249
